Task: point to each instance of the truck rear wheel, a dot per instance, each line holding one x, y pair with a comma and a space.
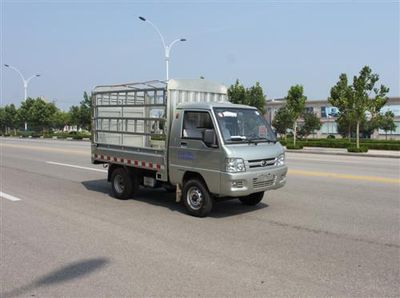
252, 199
196, 198
122, 184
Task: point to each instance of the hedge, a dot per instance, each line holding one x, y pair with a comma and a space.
294, 147
336, 143
362, 149
60, 135
345, 141
74, 135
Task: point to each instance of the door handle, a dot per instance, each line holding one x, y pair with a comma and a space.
183, 144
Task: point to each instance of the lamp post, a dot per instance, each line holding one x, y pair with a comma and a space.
167, 48
25, 82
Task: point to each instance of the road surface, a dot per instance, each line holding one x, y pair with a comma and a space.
332, 231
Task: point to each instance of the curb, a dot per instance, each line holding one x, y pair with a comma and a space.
345, 154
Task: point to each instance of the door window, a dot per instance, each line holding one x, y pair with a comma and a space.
194, 124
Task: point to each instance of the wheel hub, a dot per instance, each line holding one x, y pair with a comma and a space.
194, 198
119, 184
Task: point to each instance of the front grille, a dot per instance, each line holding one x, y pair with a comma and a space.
258, 163
261, 183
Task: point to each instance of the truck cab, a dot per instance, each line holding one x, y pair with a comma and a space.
227, 151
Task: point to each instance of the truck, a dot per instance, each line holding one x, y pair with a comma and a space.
184, 136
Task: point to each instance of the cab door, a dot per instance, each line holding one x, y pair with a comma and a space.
188, 152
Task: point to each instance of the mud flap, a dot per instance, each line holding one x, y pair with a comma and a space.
178, 193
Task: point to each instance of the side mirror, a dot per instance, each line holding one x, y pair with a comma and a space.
210, 138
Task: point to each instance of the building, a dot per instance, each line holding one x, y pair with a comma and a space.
328, 114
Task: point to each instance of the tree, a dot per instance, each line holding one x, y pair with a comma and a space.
341, 98
42, 114
295, 102
75, 116
2, 120
311, 124
256, 98
237, 93
24, 114
253, 96
10, 118
60, 119
344, 128
355, 100
86, 112
386, 122
282, 121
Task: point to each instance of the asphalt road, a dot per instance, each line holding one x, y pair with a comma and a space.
332, 231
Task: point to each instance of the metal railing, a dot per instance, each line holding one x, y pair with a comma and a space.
132, 114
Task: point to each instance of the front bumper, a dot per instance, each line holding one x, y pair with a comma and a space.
246, 183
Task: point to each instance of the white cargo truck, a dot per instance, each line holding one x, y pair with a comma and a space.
187, 137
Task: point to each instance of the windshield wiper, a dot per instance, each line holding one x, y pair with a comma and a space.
259, 140
237, 138
271, 141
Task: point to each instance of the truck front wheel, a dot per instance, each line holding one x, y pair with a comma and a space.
196, 198
121, 184
252, 199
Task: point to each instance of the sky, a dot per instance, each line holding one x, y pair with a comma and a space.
76, 45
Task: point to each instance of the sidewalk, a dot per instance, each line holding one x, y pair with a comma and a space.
343, 151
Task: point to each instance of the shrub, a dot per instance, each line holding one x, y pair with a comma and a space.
61, 136
48, 135
331, 137
353, 148
73, 134
380, 146
36, 134
24, 134
293, 147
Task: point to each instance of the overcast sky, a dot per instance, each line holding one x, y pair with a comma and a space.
78, 44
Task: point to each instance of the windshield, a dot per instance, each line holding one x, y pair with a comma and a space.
243, 125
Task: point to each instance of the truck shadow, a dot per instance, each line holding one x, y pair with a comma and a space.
64, 274
234, 207
162, 198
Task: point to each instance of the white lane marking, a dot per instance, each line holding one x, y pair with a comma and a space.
75, 166
9, 197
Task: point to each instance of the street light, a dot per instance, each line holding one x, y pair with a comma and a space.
25, 81
167, 48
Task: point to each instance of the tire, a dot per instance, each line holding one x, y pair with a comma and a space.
252, 199
196, 198
122, 184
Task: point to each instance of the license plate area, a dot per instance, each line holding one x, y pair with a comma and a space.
263, 180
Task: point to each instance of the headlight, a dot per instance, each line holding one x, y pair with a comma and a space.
280, 160
234, 165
